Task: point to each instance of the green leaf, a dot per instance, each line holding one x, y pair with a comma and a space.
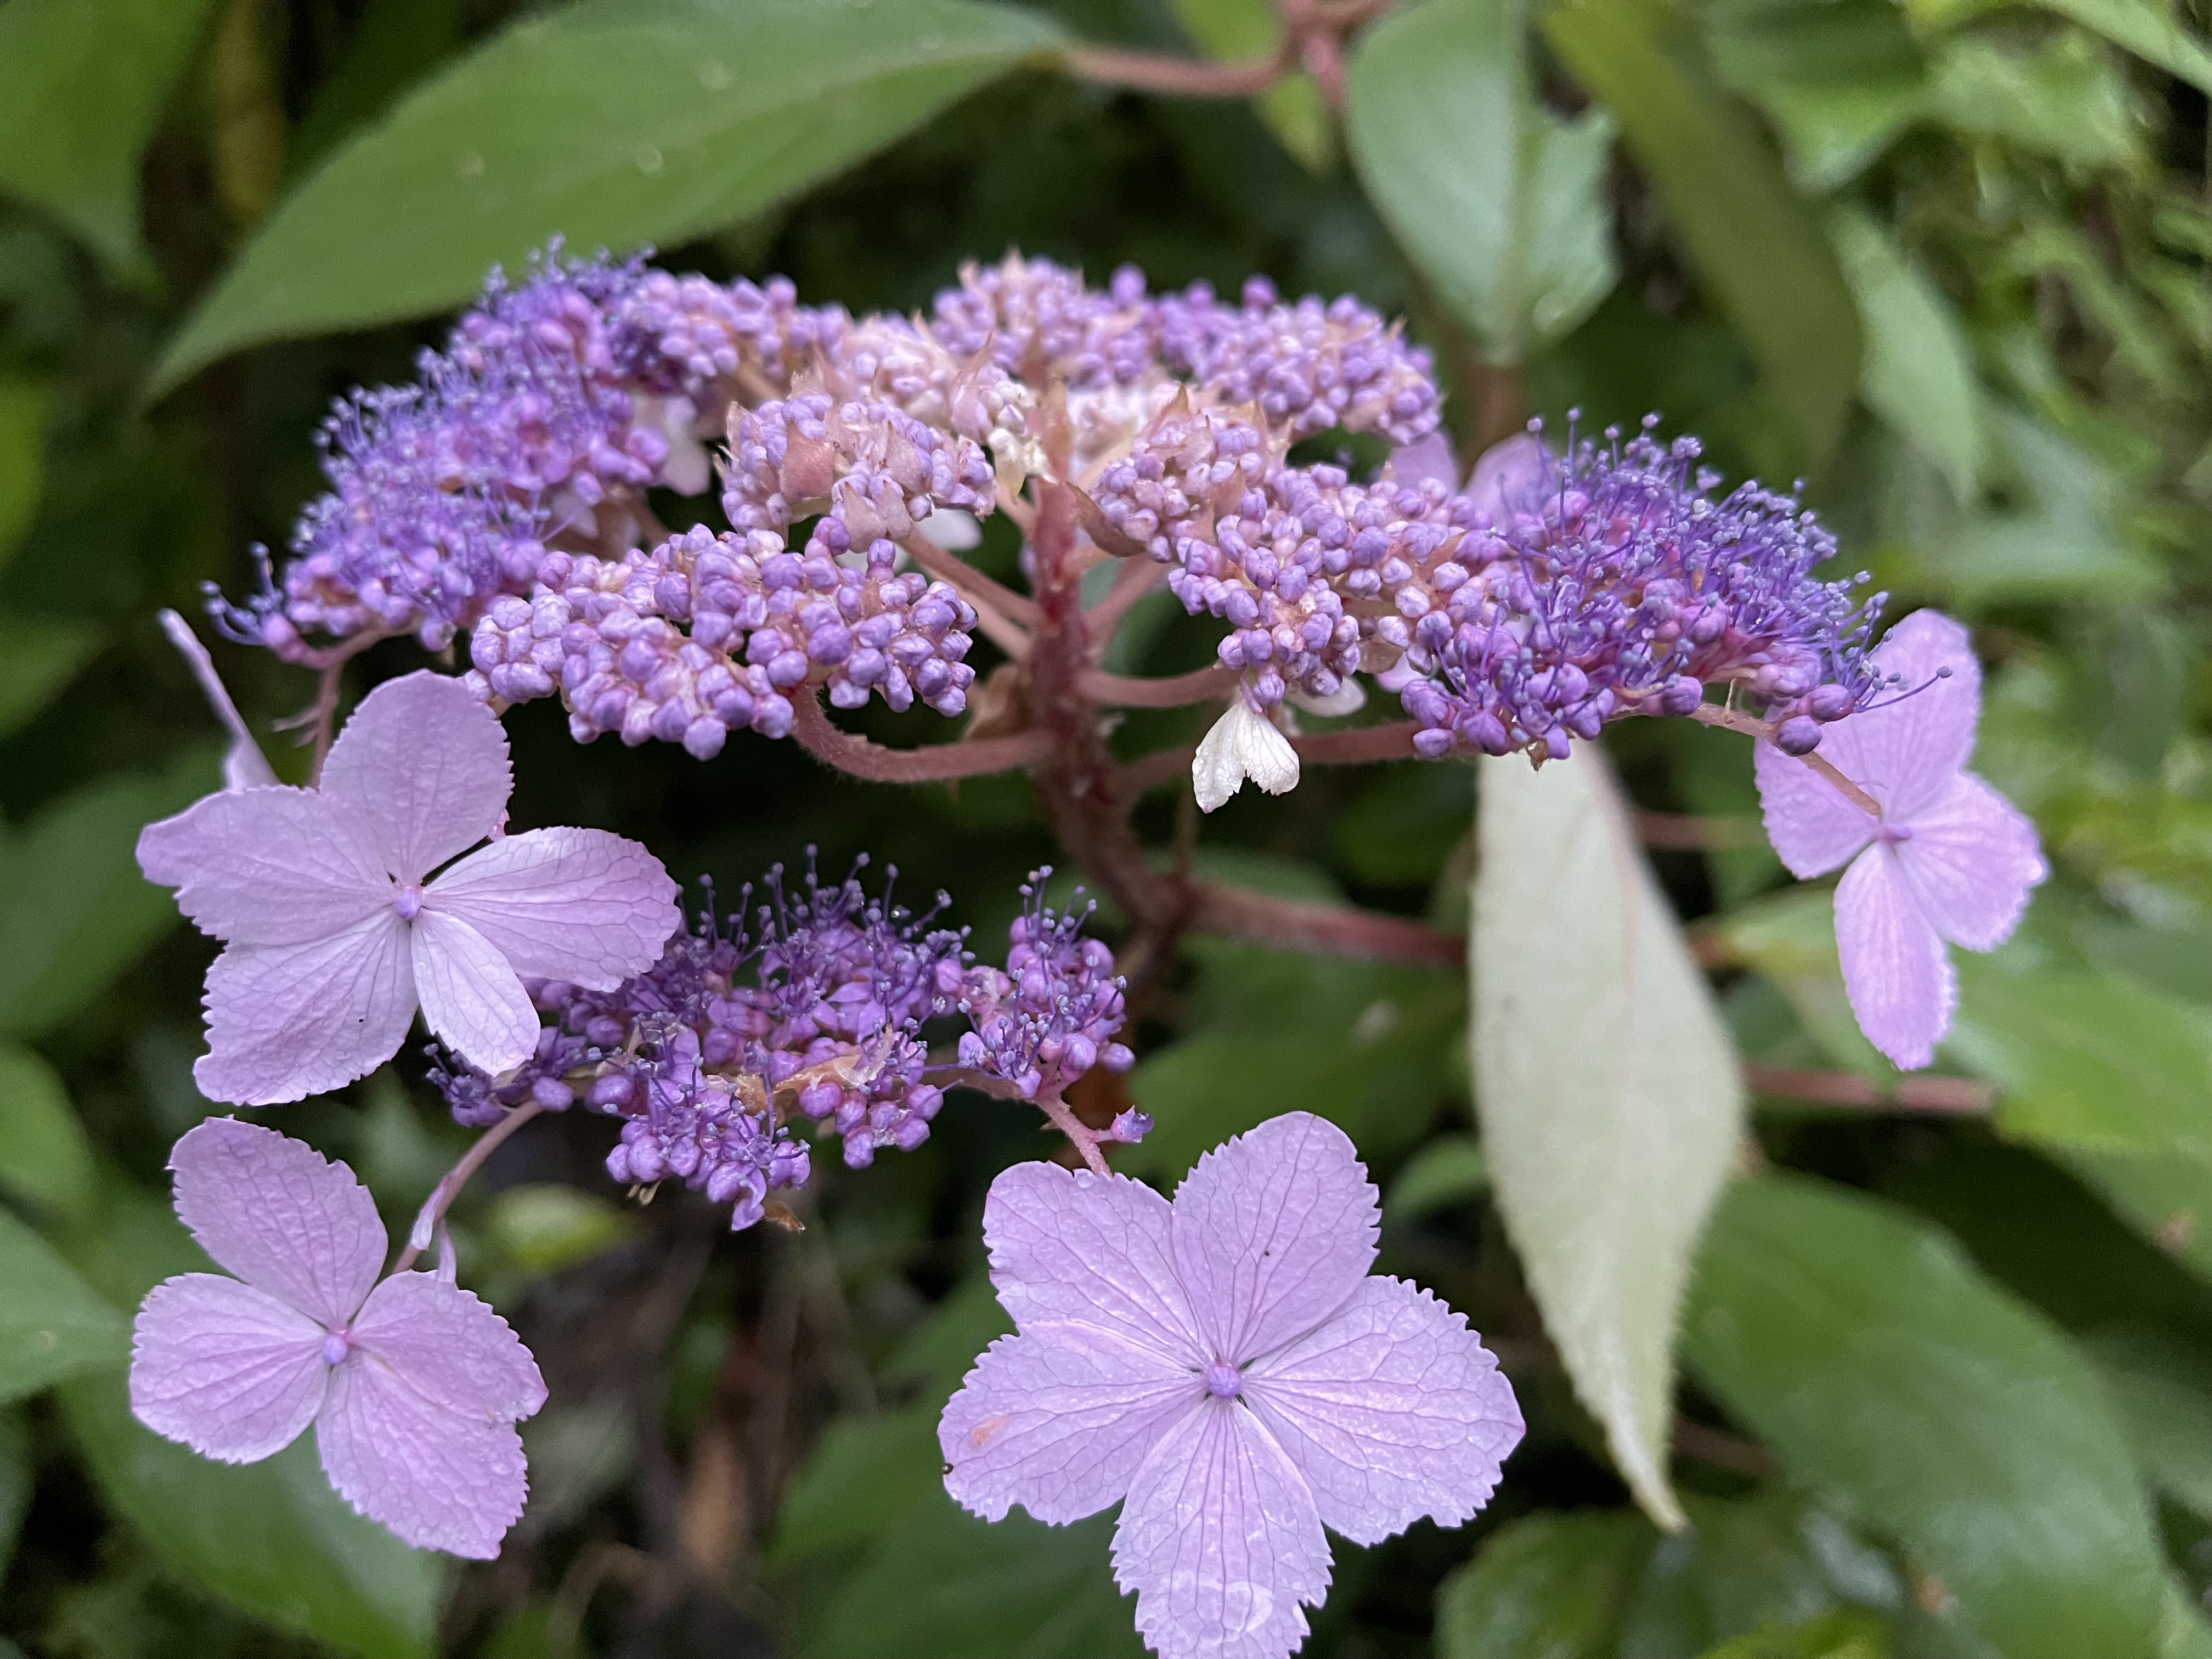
1789, 939
543, 1227
2064, 544
84, 84
22, 457
1839, 80
52, 1324
1606, 1086
944, 1583
2085, 1059
2065, 99
1757, 249
1919, 375
45, 1159
2166, 1195
37, 659
2165, 1409
1551, 1587
863, 1473
73, 907
16, 1475
270, 1538
1448, 1170
2145, 27
1850, 1635
1292, 108
1499, 201
1366, 1045
612, 122
1870, 1356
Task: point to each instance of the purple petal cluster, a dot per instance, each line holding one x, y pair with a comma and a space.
1051, 1014
1611, 583
715, 1058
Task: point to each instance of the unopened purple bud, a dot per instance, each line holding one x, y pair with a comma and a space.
1131, 1127
1798, 735
1829, 703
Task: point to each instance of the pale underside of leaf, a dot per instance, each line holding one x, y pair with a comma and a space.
1608, 1093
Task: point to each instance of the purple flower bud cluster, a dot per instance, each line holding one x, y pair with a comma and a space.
1611, 583
715, 1057
1051, 1014
707, 635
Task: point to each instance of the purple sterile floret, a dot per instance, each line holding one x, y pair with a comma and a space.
1225, 1368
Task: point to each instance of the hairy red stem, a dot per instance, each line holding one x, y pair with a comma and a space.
939, 762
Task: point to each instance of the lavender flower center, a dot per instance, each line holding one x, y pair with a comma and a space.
1893, 833
335, 1347
1222, 1380
407, 904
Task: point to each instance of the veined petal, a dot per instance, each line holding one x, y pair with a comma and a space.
288, 1021
1221, 1542
1392, 1409
582, 905
1971, 862
1904, 752
438, 1478
471, 998
449, 1347
1272, 1233
426, 766
1066, 1245
229, 1370
1900, 981
1059, 1420
280, 1215
1815, 828
1242, 744
267, 866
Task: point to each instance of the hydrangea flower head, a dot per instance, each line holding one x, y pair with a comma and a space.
1950, 858
414, 1386
1225, 1368
338, 926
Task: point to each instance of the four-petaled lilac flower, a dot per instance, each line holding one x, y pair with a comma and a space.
337, 932
1226, 1367
1948, 858
414, 1386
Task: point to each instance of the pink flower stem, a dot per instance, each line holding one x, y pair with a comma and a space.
1730, 719
1945, 1096
432, 1215
937, 763
1339, 929
1085, 1140
972, 583
1177, 692
320, 718
1136, 579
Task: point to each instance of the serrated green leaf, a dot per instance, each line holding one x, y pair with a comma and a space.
1755, 247
37, 659
1607, 1089
1919, 375
52, 1325
1499, 201
613, 123
1839, 80
74, 908
22, 457
84, 84
270, 1538
1789, 938
1864, 1350
1550, 1587
45, 1159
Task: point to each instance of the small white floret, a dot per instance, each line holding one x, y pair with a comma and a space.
1243, 743
1348, 698
951, 529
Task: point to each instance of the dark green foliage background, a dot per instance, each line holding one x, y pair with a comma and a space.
1948, 1380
